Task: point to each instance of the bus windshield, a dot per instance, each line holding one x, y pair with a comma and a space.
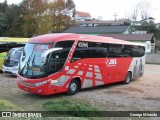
30, 65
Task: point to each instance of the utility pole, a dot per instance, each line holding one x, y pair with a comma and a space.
115, 15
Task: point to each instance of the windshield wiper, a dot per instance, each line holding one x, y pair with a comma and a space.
33, 62
26, 66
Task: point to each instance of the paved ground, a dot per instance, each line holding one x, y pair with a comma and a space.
140, 94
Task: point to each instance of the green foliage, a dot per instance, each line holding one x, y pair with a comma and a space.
71, 108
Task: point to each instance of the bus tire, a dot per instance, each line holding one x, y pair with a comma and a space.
73, 87
128, 78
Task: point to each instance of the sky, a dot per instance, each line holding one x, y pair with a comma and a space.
107, 8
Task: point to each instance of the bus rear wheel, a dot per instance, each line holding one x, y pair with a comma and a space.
128, 78
73, 87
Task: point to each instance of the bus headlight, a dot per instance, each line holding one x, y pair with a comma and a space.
41, 83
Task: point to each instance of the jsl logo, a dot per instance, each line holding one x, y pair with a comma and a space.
111, 62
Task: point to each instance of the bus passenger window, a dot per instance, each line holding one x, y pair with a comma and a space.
115, 50
81, 53
99, 53
126, 51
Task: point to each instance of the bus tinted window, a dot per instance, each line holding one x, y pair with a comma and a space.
99, 53
103, 50
126, 51
115, 50
138, 51
89, 50
64, 44
81, 53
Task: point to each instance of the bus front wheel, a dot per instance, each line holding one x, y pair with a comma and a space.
128, 78
73, 87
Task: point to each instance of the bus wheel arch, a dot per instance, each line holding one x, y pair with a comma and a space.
128, 78
74, 86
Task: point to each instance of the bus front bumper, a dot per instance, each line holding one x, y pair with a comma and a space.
40, 89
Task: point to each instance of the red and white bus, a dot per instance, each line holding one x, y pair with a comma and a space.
56, 63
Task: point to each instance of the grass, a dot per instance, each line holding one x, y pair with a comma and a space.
8, 106
70, 107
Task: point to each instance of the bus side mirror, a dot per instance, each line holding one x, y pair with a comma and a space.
46, 53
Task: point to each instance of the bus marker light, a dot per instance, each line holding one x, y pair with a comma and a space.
66, 67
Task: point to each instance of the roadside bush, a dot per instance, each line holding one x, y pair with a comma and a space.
5, 105
71, 108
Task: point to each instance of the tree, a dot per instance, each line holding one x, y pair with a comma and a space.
35, 17
134, 13
62, 12
33, 12
3, 23
157, 46
41, 16
15, 21
3, 6
144, 9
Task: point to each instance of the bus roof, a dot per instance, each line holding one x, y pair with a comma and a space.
49, 38
10, 39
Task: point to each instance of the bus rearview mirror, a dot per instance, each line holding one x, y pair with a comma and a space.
46, 53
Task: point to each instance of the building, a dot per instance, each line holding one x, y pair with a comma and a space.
147, 39
148, 19
141, 22
82, 16
100, 23
136, 23
96, 30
